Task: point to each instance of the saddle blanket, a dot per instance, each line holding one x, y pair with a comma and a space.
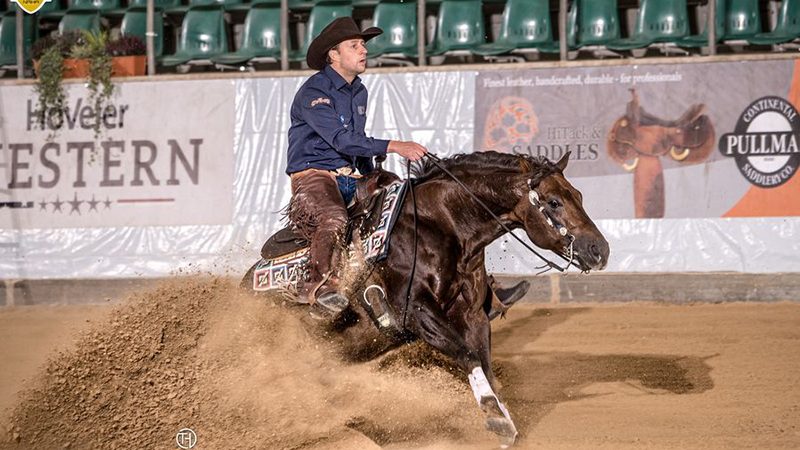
286, 270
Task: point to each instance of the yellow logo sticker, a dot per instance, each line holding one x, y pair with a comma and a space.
30, 6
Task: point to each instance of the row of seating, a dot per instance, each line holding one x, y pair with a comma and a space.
595, 25
526, 27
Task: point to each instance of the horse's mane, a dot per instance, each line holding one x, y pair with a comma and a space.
480, 162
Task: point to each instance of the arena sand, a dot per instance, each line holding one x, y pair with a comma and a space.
245, 373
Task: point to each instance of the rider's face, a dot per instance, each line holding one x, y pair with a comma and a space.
349, 58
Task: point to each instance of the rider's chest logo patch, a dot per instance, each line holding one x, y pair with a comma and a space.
320, 101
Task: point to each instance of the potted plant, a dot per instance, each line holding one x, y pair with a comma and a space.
128, 56
84, 54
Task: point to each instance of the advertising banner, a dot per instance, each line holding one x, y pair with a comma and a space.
656, 141
164, 162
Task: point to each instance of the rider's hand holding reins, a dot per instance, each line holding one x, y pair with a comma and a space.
407, 149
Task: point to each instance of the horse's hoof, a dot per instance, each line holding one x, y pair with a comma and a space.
504, 429
499, 422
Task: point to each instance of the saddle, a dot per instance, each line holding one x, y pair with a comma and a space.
689, 138
364, 214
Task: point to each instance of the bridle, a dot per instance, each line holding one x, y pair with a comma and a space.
533, 197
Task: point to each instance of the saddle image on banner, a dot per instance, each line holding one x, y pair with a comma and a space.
638, 140
284, 268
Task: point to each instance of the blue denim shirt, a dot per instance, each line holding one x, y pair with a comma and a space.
328, 118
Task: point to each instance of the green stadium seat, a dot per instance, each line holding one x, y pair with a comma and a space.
701, 39
98, 5
742, 20
261, 37
224, 3
399, 24
598, 22
787, 28
79, 20
134, 23
203, 36
591, 24
8, 38
459, 29
525, 25
51, 10
658, 21
321, 15
157, 4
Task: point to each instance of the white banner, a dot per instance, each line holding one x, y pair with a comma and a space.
164, 156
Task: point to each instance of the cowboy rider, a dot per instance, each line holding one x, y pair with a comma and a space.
329, 151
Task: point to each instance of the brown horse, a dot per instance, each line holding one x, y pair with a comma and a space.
433, 283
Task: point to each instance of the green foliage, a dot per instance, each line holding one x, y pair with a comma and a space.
52, 97
51, 52
99, 82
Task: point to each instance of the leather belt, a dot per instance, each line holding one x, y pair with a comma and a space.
346, 171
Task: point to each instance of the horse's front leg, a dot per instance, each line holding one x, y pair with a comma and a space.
463, 333
481, 380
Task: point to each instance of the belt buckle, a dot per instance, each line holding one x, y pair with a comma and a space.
344, 171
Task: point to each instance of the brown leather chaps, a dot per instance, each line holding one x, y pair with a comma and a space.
317, 210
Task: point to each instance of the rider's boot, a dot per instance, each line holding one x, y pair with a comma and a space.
324, 295
329, 301
502, 299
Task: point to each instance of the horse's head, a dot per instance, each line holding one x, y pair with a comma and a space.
551, 211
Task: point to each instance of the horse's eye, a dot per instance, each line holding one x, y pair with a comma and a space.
554, 204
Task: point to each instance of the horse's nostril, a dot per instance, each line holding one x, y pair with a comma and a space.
595, 251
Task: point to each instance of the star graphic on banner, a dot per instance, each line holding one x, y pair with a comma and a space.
43, 205
57, 204
93, 203
107, 203
75, 204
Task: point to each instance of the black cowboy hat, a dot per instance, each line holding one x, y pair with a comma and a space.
339, 30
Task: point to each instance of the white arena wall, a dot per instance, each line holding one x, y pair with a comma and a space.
188, 173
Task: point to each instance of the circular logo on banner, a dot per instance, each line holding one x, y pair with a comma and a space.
765, 142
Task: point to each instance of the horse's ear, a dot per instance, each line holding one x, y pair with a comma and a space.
562, 163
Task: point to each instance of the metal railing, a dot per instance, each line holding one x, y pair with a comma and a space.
421, 33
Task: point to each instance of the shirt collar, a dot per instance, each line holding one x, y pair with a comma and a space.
338, 81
